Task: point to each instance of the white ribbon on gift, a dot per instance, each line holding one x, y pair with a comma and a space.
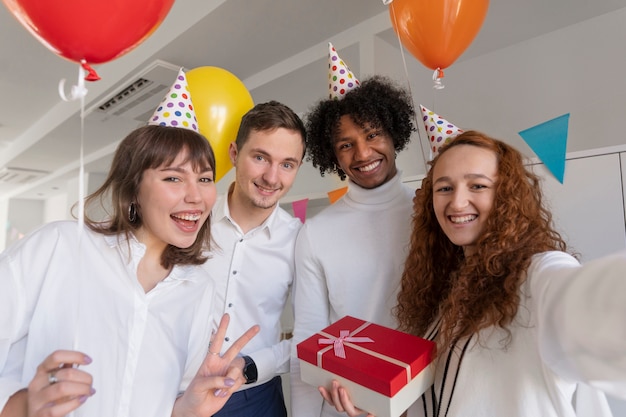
332, 339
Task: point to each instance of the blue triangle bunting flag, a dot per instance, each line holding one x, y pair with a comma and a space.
549, 141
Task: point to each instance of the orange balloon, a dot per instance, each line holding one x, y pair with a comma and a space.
437, 32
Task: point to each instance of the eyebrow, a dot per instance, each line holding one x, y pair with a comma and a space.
182, 170
466, 176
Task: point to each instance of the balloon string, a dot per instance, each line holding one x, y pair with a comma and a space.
81, 170
437, 85
81, 217
81, 205
406, 74
79, 92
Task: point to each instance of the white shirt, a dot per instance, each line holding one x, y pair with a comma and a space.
253, 273
62, 290
349, 261
569, 329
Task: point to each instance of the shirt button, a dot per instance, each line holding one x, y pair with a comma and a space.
230, 304
241, 240
227, 339
234, 272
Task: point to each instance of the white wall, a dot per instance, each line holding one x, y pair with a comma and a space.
91, 182
55, 208
24, 217
590, 217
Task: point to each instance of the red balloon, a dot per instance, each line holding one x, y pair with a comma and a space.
91, 31
437, 32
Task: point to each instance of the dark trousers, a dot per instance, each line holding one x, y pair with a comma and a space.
266, 400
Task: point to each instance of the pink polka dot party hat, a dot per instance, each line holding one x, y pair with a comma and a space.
438, 129
176, 108
340, 78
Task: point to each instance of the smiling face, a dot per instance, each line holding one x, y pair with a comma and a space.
464, 180
265, 168
174, 201
366, 155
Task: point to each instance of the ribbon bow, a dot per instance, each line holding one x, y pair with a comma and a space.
337, 342
437, 76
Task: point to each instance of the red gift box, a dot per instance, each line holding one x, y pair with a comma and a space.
385, 370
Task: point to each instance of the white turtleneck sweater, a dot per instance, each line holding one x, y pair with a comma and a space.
349, 261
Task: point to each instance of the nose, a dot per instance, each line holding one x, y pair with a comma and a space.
460, 199
362, 151
270, 176
192, 192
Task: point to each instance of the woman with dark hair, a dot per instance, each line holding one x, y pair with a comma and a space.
114, 319
522, 329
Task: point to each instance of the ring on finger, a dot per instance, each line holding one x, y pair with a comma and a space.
52, 378
214, 353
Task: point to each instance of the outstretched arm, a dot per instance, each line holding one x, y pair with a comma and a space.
580, 313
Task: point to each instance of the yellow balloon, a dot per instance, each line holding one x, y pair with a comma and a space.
220, 100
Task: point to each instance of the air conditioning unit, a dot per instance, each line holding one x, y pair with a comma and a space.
19, 176
139, 96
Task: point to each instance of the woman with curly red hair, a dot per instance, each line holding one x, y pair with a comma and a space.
521, 326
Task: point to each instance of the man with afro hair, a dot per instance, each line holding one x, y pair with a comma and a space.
350, 256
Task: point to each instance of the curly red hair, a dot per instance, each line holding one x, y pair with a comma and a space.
482, 290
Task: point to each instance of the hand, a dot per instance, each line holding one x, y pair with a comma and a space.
217, 377
339, 397
58, 386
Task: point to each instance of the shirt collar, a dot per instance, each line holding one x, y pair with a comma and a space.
379, 195
221, 213
138, 250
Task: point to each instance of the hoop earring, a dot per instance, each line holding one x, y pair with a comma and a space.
132, 213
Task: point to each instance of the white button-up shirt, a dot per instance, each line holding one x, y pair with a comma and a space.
253, 273
62, 290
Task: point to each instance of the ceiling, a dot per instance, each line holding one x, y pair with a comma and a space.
278, 48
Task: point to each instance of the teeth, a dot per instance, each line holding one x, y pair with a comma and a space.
265, 189
463, 219
188, 217
369, 167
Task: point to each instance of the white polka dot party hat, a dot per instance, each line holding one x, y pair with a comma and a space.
438, 129
340, 78
176, 108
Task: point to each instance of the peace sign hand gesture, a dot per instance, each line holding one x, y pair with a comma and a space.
216, 379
